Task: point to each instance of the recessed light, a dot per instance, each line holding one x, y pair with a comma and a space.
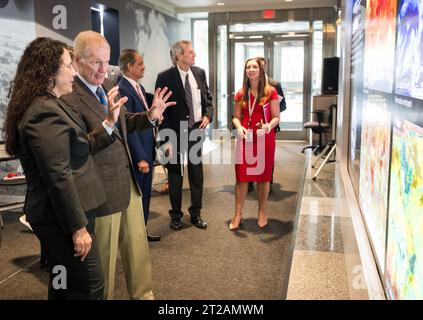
220, 3
288, 0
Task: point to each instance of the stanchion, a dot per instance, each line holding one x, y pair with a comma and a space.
329, 150
332, 149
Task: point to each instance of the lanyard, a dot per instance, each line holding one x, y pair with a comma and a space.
250, 108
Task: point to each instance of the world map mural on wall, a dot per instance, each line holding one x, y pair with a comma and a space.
14, 36
152, 42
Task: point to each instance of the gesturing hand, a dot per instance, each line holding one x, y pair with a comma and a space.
159, 104
114, 107
81, 243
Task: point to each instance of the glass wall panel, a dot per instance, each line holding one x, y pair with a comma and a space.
288, 66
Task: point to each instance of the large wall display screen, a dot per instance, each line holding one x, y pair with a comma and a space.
357, 53
386, 133
404, 265
374, 173
380, 45
409, 69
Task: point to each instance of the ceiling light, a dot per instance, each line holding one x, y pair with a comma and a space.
288, 0
220, 3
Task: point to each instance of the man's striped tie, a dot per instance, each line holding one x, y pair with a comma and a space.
103, 98
188, 96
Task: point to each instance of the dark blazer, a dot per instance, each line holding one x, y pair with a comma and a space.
278, 87
114, 163
282, 103
175, 114
55, 152
141, 143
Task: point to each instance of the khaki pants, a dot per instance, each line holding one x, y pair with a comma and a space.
126, 229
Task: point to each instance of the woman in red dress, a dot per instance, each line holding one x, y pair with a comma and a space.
256, 114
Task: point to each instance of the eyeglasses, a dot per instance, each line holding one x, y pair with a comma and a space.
96, 64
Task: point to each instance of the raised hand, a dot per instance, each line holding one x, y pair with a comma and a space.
114, 106
160, 103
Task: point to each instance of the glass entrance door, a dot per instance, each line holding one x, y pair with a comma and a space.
288, 64
243, 51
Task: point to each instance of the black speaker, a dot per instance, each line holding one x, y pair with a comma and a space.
330, 75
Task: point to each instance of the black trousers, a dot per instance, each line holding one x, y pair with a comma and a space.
83, 280
196, 180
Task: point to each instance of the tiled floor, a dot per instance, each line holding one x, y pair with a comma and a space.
326, 263
249, 264
325, 259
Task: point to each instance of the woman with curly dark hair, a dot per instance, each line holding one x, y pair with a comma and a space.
55, 150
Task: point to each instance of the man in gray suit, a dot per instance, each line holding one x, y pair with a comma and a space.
119, 222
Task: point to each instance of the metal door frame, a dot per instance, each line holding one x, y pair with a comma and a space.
295, 134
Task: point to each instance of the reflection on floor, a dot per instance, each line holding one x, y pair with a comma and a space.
326, 263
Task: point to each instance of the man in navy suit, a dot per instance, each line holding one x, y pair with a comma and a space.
141, 143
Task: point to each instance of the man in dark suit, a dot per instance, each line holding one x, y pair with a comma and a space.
193, 113
118, 222
282, 107
142, 143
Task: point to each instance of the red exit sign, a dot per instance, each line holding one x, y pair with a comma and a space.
268, 14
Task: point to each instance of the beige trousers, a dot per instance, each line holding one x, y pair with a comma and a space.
126, 229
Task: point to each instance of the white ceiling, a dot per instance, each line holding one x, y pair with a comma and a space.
181, 6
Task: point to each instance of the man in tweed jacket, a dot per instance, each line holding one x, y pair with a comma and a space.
119, 222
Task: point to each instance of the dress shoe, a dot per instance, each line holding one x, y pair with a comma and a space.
153, 237
233, 226
176, 224
262, 222
199, 223
262, 226
47, 267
